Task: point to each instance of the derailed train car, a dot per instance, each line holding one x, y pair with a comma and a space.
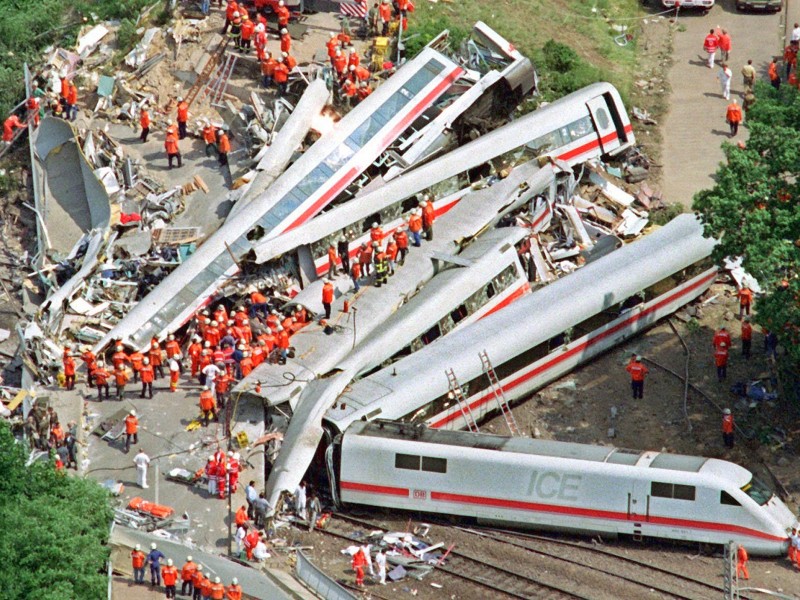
559, 486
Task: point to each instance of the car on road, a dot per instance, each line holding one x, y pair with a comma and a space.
765, 5
703, 4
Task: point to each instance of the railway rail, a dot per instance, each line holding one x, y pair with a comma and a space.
502, 582
635, 574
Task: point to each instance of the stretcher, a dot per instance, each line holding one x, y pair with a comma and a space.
186, 477
113, 427
158, 511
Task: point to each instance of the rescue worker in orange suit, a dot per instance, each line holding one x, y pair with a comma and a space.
131, 430
283, 344
173, 348
721, 361
260, 42
120, 379
728, 426
747, 337
401, 238
221, 387
148, 375
155, 358
745, 301
230, 9
281, 76
217, 590
332, 260
428, 217
9, 125
69, 370
210, 138
224, 147
385, 16
286, 41
359, 562
197, 583
241, 516
268, 65
234, 590
144, 123
71, 111
119, 358
415, 227
327, 298
194, 351
339, 64
137, 360
774, 77
101, 381
741, 562
183, 117
363, 91
222, 479
187, 575
173, 152
90, 360
137, 562
733, 116
283, 15
365, 258
205, 588
250, 542
234, 468
349, 91
169, 574
207, 407
33, 106
638, 371
248, 29
721, 337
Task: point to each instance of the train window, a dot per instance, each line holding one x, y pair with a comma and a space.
459, 314
758, 491
434, 465
490, 291
432, 334
409, 203
683, 492
367, 223
406, 461
726, 498
580, 128
661, 490
669, 490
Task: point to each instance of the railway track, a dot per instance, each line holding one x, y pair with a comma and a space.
500, 581
640, 577
630, 570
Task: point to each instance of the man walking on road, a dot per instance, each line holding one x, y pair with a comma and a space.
734, 116
748, 76
141, 461
725, 75
131, 430
724, 41
774, 78
710, 45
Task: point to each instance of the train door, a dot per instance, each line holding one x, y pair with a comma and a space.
604, 124
639, 501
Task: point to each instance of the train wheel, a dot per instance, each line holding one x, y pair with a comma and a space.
708, 549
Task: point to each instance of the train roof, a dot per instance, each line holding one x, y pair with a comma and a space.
533, 319
395, 430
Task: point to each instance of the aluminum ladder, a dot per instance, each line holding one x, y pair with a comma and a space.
499, 396
457, 394
217, 87
208, 69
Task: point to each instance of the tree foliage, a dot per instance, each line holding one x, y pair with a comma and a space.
54, 528
754, 210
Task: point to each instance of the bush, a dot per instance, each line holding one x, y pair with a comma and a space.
421, 32
127, 36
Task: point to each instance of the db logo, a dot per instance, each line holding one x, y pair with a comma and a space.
420, 494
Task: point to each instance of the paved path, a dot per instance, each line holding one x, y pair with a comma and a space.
695, 127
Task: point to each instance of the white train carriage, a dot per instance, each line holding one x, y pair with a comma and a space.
557, 485
541, 336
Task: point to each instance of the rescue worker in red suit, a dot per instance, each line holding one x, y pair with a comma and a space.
638, 371
359, 562
327, 298
727, 428
234, 467
721, 361
722, 337
69, 370
741, 562
9, 125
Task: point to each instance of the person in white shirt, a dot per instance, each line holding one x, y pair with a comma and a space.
795, 33
380, 560
241, 532
300, 500
725, 74
367, 554
141, 461
211, 371
260, 552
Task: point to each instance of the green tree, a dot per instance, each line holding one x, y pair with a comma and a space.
754, 210
54, 528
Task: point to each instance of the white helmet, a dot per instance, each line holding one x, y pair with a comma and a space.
284, 31
260, 27
119, 348
214, 323
146, 361
132, 413
189, 558
169, 562
153, 546
100, 363
205, 387
211, 457
332, 35
207, 345
423, 204
216, 580
170, 337
230, 452
235, 581
199, 567
137, 547
236, 14
236, 455
727, 411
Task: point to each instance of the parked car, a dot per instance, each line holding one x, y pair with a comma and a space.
703, 4
765, 5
